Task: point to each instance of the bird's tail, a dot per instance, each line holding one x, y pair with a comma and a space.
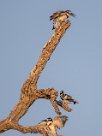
75, 102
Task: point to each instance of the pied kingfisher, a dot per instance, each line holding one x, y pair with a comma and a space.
60, 16
67, 98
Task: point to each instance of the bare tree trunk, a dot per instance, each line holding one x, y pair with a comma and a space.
29, 91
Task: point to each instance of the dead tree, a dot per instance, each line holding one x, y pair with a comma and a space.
29, 91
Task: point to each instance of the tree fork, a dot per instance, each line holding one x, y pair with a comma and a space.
29, 91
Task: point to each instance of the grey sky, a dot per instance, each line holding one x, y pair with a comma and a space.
75, 66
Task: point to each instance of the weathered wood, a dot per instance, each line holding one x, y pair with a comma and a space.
29, 91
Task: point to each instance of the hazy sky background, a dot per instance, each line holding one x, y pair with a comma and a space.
75, 66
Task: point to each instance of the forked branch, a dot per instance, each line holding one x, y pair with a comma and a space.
29, 91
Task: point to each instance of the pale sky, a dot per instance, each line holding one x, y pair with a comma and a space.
75, 66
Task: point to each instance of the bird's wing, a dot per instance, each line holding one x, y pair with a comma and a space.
74, 101
56, 14
66, 96
52, 130
42, 123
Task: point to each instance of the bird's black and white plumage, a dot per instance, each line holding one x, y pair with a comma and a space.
44, 125
60, 16
67, 98
51, 125
57, 123
44, 122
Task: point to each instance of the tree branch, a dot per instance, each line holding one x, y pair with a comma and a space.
29, 91
64, 105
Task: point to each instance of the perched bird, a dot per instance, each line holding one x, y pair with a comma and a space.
60, 16
44, 125
58, 122
51, 128
44, 122
51, 125
67, 98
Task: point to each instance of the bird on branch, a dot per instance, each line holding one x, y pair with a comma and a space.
44, 122
58, 122
51, 125
60, 16
67, 98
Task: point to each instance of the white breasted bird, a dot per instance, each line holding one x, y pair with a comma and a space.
60, 16
67, 98
51, 125
58, 122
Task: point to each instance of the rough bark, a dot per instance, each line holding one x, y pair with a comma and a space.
29, 91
